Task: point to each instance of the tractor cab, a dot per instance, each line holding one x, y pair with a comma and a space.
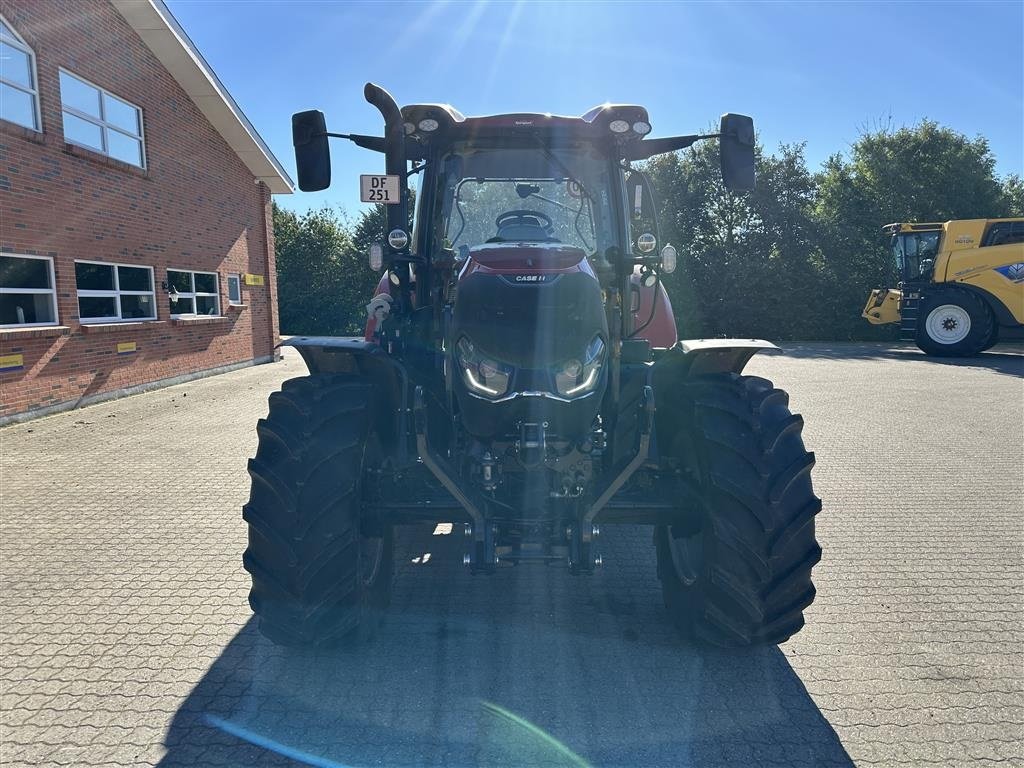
915, 248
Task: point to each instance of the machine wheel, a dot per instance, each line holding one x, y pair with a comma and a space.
317, 577
954, 324
742, 576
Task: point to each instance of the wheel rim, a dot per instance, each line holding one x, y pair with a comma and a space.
687, 556
948, 324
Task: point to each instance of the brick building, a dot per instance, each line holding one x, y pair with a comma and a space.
136, 241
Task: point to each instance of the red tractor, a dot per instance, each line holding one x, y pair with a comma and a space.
521, 377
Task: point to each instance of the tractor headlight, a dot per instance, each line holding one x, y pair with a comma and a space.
398, 239
577, 377
481, 375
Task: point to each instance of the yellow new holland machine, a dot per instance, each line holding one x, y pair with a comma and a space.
961, 285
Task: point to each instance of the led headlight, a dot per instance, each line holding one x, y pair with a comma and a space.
575, 377
481, 375
428, 124
398, 239
618, 126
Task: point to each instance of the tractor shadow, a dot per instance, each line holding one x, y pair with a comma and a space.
1005, 358
530, 666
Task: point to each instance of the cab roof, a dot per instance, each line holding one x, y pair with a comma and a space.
452, 125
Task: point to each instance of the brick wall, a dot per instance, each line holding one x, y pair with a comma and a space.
196, 206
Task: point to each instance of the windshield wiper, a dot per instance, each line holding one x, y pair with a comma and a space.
561, 166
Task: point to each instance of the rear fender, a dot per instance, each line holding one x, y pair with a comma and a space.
349, 354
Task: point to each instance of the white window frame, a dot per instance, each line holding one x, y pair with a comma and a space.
238, 277
20, 44
102, 123
116, 294
193, 293
52, 290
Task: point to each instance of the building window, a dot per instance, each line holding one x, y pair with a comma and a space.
99, 120
19, 88
27, 294
234, 289
193, 293
112, 293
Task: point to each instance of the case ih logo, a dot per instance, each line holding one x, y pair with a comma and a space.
531, 278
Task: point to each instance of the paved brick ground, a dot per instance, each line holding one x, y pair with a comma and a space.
126, 639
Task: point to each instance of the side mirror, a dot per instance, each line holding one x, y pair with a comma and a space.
312, 154
736, 145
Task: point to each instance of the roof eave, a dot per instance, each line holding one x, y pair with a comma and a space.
162, 34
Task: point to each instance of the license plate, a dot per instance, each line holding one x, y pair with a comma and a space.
379, 189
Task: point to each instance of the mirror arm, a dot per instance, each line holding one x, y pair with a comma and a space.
376, 143
648, 148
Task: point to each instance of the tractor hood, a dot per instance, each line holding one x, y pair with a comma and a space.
530, 339
529, 305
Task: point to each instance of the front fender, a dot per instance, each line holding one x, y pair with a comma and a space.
694, 357
355, 356
687, 360
334, 354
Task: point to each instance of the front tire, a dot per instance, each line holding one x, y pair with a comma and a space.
742, 575
317, 576
954, 323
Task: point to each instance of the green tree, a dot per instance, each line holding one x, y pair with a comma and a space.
323, 279
749, 263
1013, 194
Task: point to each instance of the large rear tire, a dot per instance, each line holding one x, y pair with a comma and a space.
954, 323
742, 575
317, 577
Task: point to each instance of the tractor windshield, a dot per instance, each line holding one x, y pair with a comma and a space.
528, 195
915, 253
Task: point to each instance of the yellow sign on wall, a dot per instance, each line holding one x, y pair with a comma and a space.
253, 279
11, 362
125, 347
